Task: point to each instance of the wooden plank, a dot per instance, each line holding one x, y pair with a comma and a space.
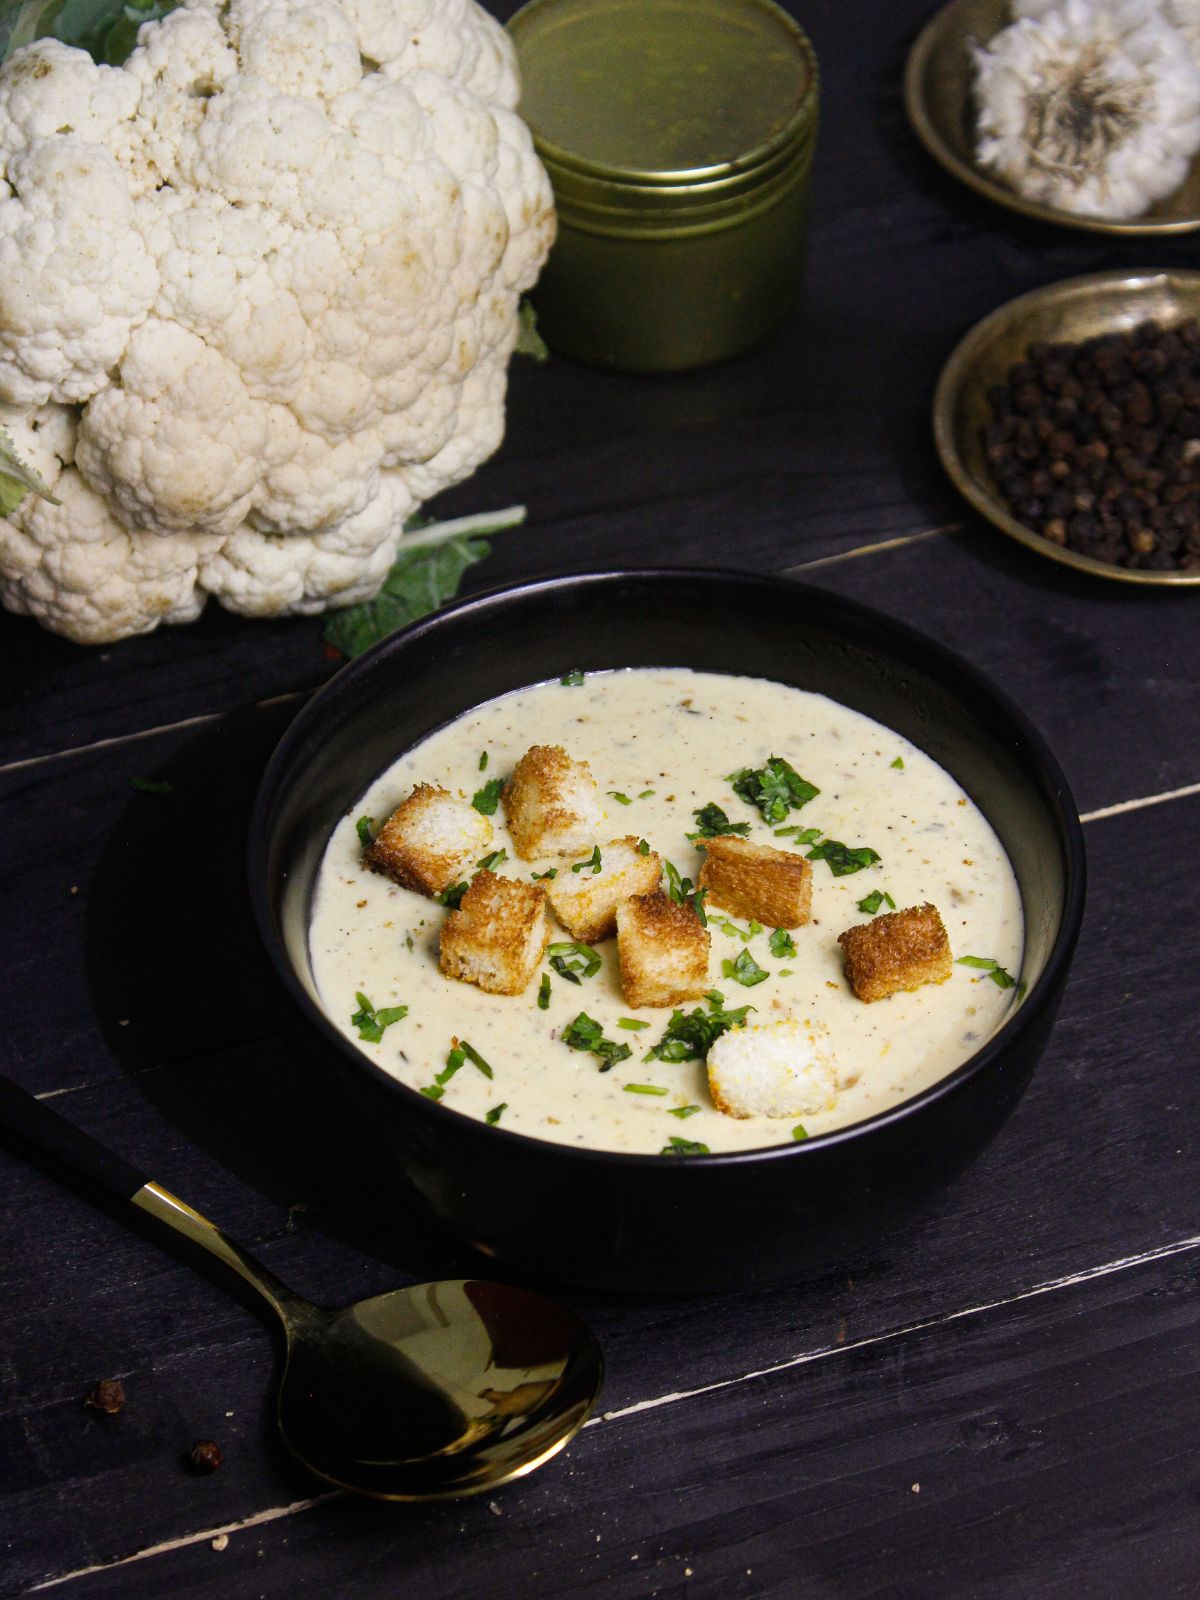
1035, 1450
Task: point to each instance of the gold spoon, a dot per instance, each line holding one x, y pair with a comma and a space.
427, 1393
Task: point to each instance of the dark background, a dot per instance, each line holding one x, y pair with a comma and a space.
998, 1400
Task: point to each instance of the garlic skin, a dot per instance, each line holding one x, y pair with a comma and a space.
1093, 107
1181, 14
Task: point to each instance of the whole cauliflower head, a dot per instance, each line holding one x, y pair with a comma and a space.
258, 292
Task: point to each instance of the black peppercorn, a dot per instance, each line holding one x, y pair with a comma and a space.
205, 1456
108, 1396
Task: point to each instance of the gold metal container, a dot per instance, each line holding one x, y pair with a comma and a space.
679, 136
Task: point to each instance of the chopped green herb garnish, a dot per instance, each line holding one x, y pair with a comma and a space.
371, 1023
643, 847
550, 872
643, 1088
712, 822
544, 992
775, 789
452, 896
683, 1111
785, 972
745, 970
493, 1116
684, 892
483, 759
632, 1023
489, 863
899, 763
799, 1133
690, 1036
453, 1062
727, 925
151, 785
1002, 979
684, 1147
433, 1091
486, 800
782, 943
841, 858
580, 958
475, 1058
801, 835
871, 903
592, 861
623, 798
365, 827
572, 680
645, 794
585, 1033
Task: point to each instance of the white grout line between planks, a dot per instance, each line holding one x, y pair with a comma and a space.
804, 1358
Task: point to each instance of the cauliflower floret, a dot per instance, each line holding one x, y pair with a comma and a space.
259, 287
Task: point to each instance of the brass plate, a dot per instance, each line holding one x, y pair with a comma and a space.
1078, 308
938, 99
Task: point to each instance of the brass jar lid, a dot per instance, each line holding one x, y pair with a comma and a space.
663, 106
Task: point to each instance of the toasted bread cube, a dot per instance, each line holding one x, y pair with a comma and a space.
900, 950
428, 840
498, 934
662, 950
586, 902
770, 886
552, 805
770, 1069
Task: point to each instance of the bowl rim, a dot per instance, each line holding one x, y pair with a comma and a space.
1047, 773
955, 374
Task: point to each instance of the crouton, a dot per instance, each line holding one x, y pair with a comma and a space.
498, 934
770, 886
900, 950
770, 1069
662, 950
551, 804
428, 840
586, 902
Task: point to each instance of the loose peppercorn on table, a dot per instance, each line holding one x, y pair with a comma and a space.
999, 1398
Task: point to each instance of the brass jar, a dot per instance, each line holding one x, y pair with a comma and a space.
679, 136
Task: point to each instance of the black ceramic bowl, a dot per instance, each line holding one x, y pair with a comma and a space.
645, 1223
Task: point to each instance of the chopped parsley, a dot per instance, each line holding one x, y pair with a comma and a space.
775, 789
684, 1147
683, 1111
842, 858
1002, 979
899, 763
592, 861
483, 759
550, 872
785, 972
573, 679
574, 961
801, 835
493, 1116
745, 970
543, 998
871, 903
365, 827
618, 796
452, 896
781, 943
727, 925
151, 785
453, 1062
489, 863
711, 822
475, 1058
585, 1033
643, 847
645, 794
371, 1023
690, 1036
632, 1023
486, 800
433, 1091
799, 1133
684, 892
643, 1088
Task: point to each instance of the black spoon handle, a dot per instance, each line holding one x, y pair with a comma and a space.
37, 1125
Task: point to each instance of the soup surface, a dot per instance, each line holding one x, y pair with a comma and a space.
662, 743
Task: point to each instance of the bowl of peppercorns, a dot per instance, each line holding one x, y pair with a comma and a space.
1070, 418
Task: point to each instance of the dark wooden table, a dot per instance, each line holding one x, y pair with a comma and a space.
1000, 1399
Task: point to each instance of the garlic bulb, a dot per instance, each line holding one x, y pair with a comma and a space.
1181, 14
1092, 107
